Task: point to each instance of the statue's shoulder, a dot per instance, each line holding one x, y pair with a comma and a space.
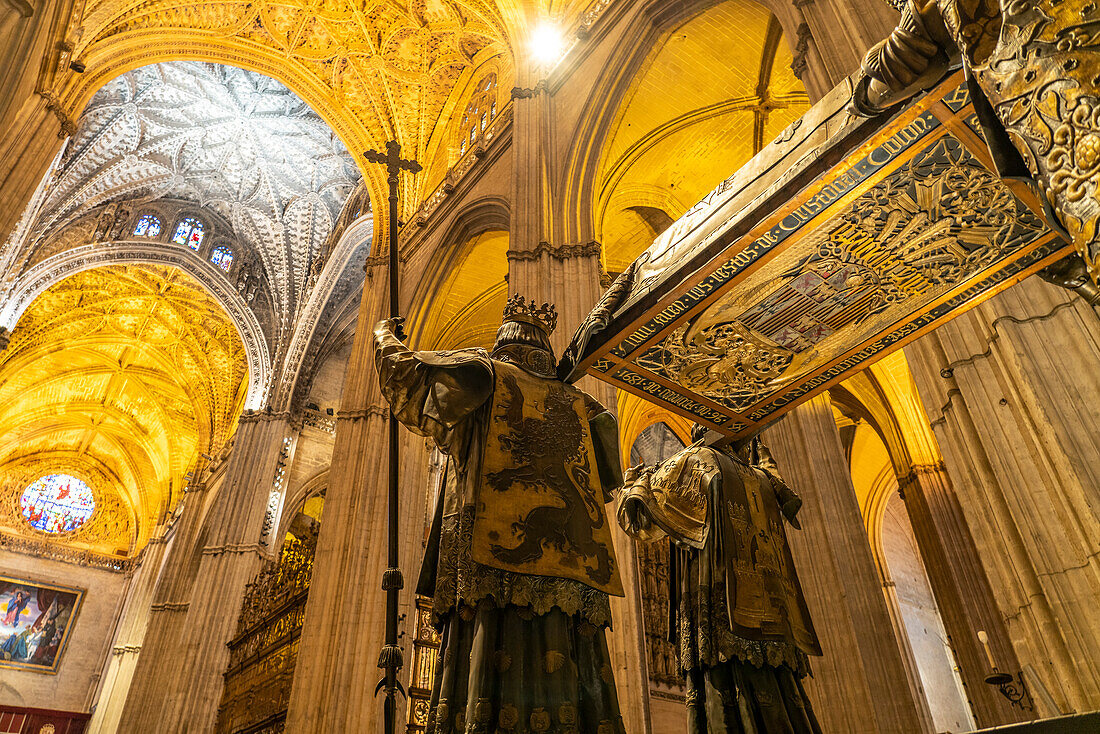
456, 357
696, 460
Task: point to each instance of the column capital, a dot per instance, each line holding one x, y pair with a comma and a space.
561, 252
916, 471
371, 410
258, 416
529, 92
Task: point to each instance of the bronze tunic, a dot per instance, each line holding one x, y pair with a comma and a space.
521, 517
744, 628
519, 560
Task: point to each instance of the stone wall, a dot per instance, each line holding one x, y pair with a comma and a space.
86, 651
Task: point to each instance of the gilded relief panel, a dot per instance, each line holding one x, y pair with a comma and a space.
934, 222
842, 240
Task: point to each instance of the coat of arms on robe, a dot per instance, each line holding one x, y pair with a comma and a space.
519, 563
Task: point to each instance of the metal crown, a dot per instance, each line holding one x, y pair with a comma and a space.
544, 317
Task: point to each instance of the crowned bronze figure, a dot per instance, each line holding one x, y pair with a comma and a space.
519, 561
744, 632
1033, 68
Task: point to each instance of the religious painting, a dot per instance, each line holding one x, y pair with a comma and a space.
35, 621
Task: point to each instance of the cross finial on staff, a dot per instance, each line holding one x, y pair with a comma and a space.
392, 160
394, 164
392, 582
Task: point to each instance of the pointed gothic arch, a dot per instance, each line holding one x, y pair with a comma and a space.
47, 273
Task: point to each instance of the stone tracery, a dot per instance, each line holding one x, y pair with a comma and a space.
208, 134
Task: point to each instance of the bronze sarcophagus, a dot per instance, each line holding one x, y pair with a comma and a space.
839, 242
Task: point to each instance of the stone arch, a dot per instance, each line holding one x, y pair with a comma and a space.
637, 414
39, 278
657, 21
444, 153
296, 498
347, 247
490, 214
121, 53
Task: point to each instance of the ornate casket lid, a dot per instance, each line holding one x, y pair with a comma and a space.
842, 240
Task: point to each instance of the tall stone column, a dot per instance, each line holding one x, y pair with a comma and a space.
33, 125
337, 666
154, 669
1010, 390
179, 678
569, 277
130, 636
833, 37
961, 589
861, 684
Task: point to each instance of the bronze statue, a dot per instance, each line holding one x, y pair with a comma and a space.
744, 630
519, 561
1033, 68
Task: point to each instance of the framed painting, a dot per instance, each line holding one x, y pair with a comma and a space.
35, 621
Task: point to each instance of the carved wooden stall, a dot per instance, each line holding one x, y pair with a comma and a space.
265, 649
425, 654
839, 242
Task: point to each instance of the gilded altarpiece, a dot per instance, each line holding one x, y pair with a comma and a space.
425, 653
263, 653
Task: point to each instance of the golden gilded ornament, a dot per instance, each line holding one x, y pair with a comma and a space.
1034, 70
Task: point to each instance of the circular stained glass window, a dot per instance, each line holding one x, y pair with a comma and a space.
57, 503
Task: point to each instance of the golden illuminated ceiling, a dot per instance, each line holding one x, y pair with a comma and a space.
471, 296
669, 150
122, 375
374, 70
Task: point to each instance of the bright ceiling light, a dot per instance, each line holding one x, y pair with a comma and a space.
547, 44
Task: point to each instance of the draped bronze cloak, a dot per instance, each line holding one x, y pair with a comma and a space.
531, 462
739, 598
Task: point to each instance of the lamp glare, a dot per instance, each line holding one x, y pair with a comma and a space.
547, 44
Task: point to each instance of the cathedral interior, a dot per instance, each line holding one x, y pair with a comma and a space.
194, 251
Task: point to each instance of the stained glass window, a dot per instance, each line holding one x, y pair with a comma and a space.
147, 226
57, 503
189, 232
222, 257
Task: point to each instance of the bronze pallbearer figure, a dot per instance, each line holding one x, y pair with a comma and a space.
519, 561
744, 630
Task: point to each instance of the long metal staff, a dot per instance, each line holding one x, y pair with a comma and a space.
390, 658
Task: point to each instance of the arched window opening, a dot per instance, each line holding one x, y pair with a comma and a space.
149, 225
222, 257
480, 112
189, 232
57, 503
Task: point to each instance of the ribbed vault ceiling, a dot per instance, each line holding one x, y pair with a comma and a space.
375, 69
669, 150
122, 375
230, 140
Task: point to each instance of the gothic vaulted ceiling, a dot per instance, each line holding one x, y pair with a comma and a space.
229, 140
668, 151
375, 69
121, 376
